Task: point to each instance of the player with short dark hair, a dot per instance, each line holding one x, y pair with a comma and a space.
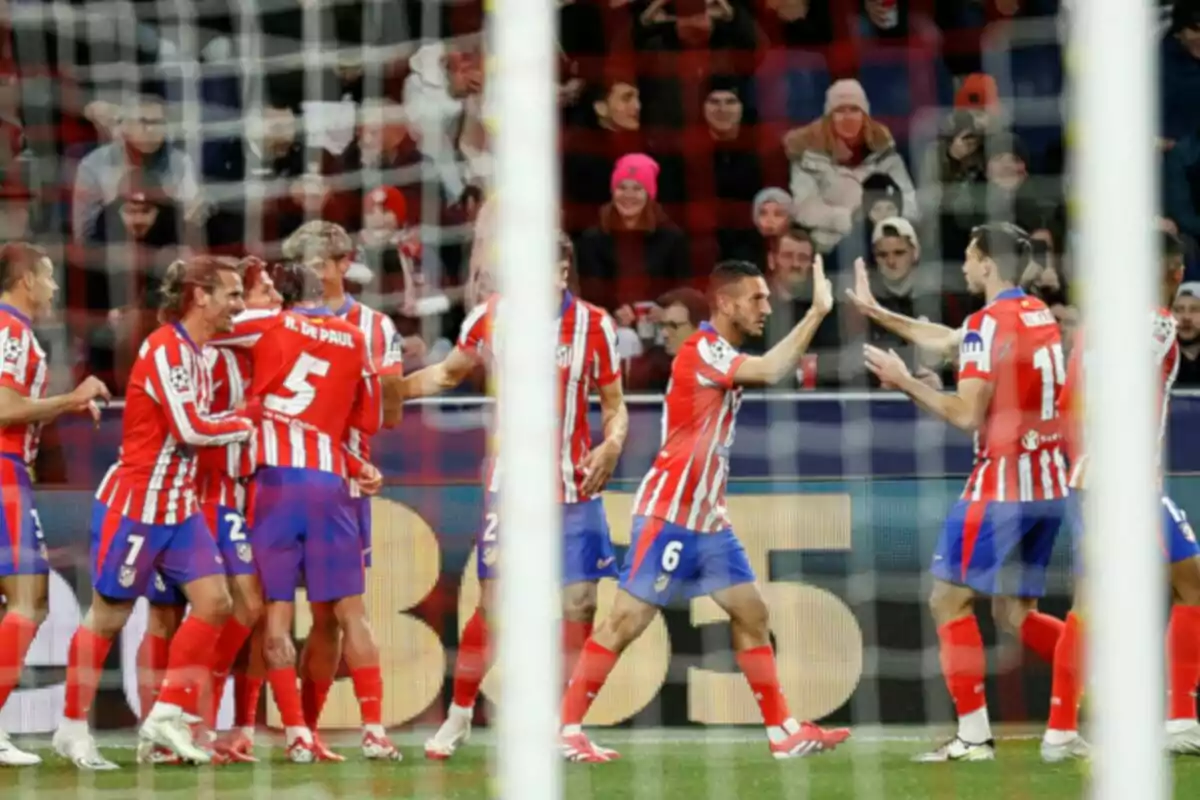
314, 381
998, 538
683, 543
146, 517
587, 359
1062, 740
27, 289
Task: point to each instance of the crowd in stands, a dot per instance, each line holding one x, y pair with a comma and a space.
774, 131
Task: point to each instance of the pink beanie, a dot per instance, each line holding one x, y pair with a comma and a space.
637, 167
846, 92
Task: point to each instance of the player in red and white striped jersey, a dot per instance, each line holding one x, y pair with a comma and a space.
329, 247
305, 363
1062, 740
998, 538
682, 541
146, 515
587, 360
27, 288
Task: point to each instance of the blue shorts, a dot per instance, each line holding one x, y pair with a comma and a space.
233, 538
999, 548
588, 553
1178, 539
667, 561
22, 548
363, 506
127, 553
161, 592
305, 532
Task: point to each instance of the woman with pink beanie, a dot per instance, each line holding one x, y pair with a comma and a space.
635, 253
832, 156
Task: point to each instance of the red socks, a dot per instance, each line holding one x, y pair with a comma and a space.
246, 691
574, 636
1183, 661
368, 688
1040, 633
963, 663
233, 636
287, 696
151, 664
1065, 686
16, 635
758, 665
192, 655
595, 664
313, 694
471, 665
85, 660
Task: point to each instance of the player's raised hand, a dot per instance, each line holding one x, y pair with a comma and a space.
822, 288
370, 480
598, 466
885, 365
861, 296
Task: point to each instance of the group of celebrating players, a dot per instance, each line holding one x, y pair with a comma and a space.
245, 473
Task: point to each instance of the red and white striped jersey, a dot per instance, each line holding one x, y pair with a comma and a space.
1165, 346
586, 357
166, 418
219, 469
1014, 345
23, 370
385, 351
686, 484
306, 364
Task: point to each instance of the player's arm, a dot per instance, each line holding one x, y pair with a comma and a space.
169, 382
454, 368
965, 409
599, 464
390, 361
781, 360
929, 336
18, 408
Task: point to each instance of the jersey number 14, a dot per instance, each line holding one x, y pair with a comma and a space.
1049, 362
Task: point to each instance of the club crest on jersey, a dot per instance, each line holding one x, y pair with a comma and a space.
562, 355
1031, 440
181, 380
12, 350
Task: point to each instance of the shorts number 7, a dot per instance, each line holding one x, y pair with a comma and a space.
135, 548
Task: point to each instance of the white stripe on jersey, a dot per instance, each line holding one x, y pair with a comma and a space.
702, 486
1002, 478
977, 492
296, 445
1025, 477
576, 383
1046, 460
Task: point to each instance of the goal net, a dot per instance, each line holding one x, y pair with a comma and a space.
132, 133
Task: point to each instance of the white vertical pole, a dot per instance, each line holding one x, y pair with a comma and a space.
1116, 113
526, 186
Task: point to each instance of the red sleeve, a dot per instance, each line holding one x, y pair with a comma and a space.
248, 328
172, 382
608, 363
14, 360
978, 346
715, 362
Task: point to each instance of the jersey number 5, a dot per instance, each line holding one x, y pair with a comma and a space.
1049, 362
297, 382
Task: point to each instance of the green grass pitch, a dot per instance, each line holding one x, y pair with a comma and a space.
656, 765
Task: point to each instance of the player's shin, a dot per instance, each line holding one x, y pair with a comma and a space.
1183, 659
964, 666
17, 632
85, 663
1066, 684
319, 660
189, 664
471, 663
1041, 633
233, 636
595, 664
151, 665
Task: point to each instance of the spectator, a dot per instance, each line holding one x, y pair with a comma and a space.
680, 312
635, 254
1067, 316
831, 157
979, 95
1187, 311
952, 172
1012, 197
14, 211
142, 151
386, 244
1179, 74
1181, 184
771, 207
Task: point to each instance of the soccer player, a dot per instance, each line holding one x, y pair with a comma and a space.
683, 542
1062, 740
587, 360
27, 289
146, 516
999, 536
312, 374
329, 247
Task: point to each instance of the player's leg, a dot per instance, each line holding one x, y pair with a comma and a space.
471, 664
588, 556
27, 597
1019, 617
162, 620
247, 612
122, 555
1022, 537
1062, 740
726, 575
277, 514
319, 660
1183, 631
24, 582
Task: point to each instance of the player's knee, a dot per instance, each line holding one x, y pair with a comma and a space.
1010, 612
579, 605
1185, 582
215, 607
948, 602
249, 609
753, 620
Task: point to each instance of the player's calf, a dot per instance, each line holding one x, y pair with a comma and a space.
362, 657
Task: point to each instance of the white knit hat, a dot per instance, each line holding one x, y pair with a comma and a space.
846, 92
